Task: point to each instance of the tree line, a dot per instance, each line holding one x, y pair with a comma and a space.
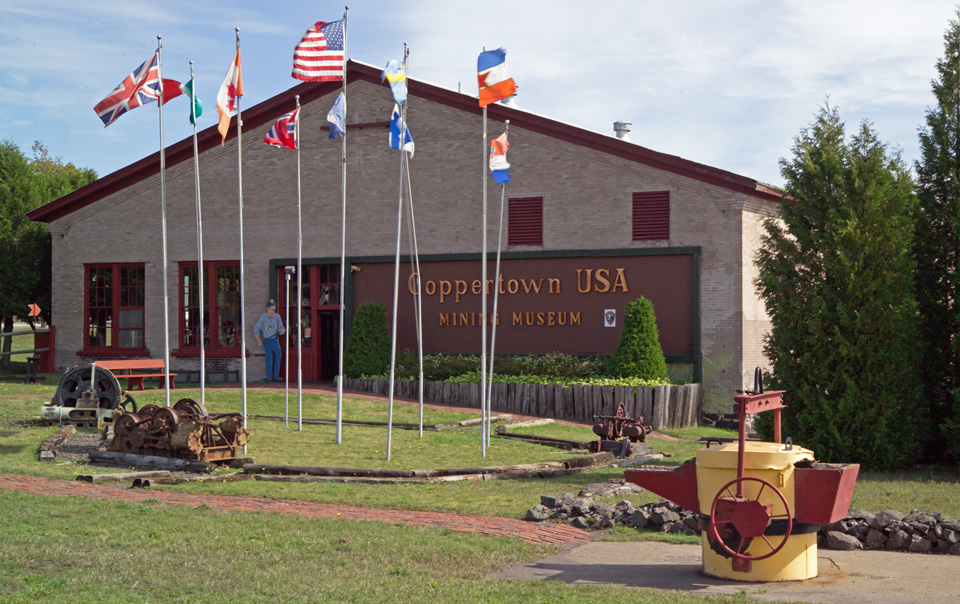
26, 183
859, 275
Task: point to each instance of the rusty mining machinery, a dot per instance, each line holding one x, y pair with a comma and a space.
617, 432
90, 396
185, 431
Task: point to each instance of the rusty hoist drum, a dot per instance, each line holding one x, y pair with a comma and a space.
184, 431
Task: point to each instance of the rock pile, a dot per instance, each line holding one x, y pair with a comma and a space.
887, 530
582, 511
921, 532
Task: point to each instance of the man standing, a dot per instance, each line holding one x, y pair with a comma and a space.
267, 331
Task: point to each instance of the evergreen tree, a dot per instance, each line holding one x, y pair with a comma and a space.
639, 353
368, 349
937, 249
835, 274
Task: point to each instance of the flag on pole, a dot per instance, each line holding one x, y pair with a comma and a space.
498, 159
319, 55
495, 83
284, 132
171, 89
230, 90
141, 86
396, 125
336, 117
186, 89
396, 73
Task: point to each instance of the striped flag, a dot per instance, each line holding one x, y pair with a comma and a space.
230, 90
141, 86
284, 132
319, 56
499, 167
495, 83
396, 73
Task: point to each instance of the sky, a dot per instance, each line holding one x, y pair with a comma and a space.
728, 84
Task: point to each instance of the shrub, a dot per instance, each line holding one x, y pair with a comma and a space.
368, 349
639, 353
439, 368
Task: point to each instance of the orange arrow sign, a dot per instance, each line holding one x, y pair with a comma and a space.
34, 310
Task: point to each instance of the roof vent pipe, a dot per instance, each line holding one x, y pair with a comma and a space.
623, 130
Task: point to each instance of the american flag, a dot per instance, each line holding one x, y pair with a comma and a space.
319, 56
141, 86
284, 132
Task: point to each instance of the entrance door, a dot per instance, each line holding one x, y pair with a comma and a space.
320, 312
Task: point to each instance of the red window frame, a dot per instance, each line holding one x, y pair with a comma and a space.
118, 289
221, 309
525, 221
651, 215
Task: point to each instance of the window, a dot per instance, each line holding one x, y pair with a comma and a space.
651, 215
525, 221
221, 308
114, 309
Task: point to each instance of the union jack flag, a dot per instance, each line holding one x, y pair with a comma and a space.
319, 55
141, 86
284, 132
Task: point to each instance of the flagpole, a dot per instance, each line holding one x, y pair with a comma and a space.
243, 294
299, 284
415, 261
286, 356
196, 171
401, 140
416, 269
163, 230
343, 229
484, 412
496, 291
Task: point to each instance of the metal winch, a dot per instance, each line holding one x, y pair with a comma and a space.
84, 401
185, 431
617, 432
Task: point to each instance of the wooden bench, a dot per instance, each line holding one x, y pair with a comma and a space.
135, 371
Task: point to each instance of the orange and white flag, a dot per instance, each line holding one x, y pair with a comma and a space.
230, 91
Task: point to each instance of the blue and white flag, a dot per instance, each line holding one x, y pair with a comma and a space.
396, 125
396, 73
336, 117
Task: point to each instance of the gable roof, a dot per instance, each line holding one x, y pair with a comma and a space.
269, 109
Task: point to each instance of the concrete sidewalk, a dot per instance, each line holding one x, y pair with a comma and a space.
857, 577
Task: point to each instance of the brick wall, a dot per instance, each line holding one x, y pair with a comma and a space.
586, 205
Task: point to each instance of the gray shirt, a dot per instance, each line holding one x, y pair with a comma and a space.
267, 327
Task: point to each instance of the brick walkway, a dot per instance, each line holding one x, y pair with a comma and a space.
528, 531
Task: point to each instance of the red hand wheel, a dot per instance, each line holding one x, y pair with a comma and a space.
747, 517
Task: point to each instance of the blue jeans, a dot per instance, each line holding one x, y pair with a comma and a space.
272, 349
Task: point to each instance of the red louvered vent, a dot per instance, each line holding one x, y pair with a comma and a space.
525, 221
651, 215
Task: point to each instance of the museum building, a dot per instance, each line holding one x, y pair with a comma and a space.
592, 222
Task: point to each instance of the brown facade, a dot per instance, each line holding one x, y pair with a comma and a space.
543, 304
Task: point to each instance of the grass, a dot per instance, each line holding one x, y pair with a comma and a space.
152, 553
47, 555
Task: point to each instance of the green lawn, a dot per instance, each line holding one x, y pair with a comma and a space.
50, 553
101, 552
